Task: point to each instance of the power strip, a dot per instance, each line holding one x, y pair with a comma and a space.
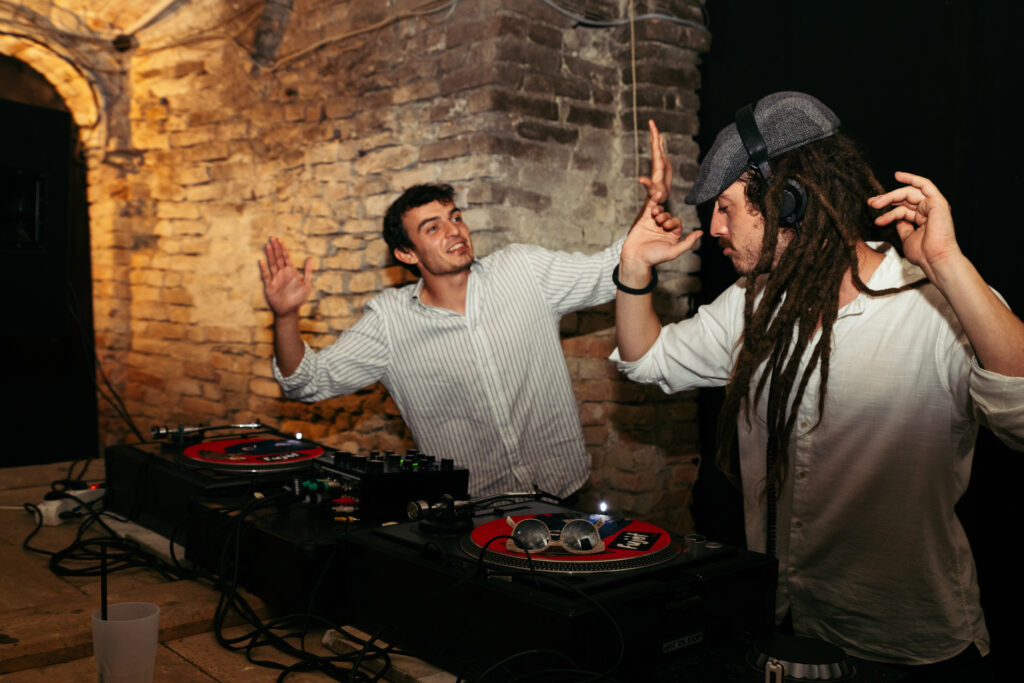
56, 512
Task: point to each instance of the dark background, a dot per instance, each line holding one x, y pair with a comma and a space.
929, 87
46, 340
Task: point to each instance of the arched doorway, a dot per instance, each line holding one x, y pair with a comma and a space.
47, 341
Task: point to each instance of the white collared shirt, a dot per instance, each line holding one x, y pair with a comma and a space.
871, 554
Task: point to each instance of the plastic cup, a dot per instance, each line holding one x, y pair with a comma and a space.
125, 644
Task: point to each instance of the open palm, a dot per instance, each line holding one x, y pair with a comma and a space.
284, 286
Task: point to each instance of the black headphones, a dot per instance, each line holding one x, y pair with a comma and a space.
794, 198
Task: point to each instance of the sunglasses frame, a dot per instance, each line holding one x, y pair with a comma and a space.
550, 542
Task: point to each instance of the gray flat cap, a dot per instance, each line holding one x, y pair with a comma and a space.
786, 120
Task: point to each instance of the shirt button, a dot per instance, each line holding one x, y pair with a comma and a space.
797, 524
801, 474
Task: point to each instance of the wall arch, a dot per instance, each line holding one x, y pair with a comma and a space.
83, 98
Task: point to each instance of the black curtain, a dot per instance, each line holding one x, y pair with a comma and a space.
926, 86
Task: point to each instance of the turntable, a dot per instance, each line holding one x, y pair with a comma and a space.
636, 590
155, 483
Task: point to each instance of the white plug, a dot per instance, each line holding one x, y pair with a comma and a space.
56, 512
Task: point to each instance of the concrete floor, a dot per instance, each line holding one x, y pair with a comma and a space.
45, 623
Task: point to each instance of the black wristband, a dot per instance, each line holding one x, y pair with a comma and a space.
631, 290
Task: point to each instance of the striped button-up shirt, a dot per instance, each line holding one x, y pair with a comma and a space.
489, 389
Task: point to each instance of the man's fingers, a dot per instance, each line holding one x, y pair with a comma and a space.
652, 194
268, 250
279, 253
901, 195
667, 221
898, 213
915, 191
655, 139
657, 151
904, 229
285, 256
924, 185
686, 244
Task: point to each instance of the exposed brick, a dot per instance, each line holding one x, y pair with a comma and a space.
536, 130
501, 100
538, 57
198, 406
596, 435
444, 149
386, 159
685, 123
470, 77
586, 116
592, 413
531, 201
416, 91
523, 112
603, 75
636, 482
194, 136
648, 97
667, 75
542, 34
590, 346
264, 387
558, 85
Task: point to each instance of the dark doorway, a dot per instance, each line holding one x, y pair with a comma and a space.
50, 411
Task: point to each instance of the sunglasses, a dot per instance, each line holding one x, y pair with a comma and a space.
577, 536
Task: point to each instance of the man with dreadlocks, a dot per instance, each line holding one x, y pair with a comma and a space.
856, 378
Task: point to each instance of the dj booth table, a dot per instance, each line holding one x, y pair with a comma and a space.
429, 593
454, 596
451, 599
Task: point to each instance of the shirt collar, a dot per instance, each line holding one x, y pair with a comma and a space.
476, 268
414, 291
893, 271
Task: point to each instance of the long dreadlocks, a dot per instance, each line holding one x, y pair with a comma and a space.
786, 304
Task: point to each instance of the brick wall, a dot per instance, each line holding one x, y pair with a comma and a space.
222, 125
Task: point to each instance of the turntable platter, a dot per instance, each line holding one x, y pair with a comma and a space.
628, 544
251, 455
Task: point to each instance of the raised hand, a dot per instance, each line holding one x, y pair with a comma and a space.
660, 181
284, 286
657, 235
925, 224
655, 238
923, 221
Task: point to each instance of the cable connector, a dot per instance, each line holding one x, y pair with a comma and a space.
56, 512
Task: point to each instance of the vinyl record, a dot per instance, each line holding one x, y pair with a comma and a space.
252, 455
624, 544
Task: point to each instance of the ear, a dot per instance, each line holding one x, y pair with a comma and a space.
407, 256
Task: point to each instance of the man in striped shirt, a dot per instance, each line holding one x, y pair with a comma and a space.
471, 352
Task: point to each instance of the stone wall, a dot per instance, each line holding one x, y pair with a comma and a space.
211, 125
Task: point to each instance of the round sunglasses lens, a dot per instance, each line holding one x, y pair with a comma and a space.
579, 535
531, 534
